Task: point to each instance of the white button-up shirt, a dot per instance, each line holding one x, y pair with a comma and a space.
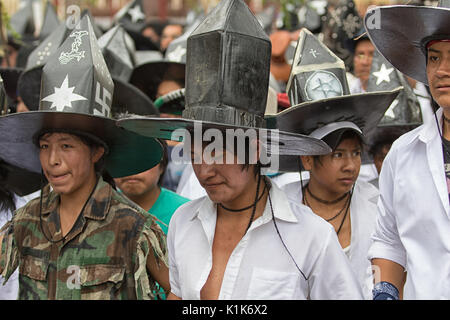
260, 267
413, 224
363, 211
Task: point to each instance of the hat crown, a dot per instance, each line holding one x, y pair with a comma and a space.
228, 84
118, 56
405, 109
76, 78
316, 73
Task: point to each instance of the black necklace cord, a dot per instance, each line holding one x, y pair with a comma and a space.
346, 203
444, 145
281, 238
325, 201
346, 211
82, 209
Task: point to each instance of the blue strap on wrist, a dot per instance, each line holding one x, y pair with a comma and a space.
385, 291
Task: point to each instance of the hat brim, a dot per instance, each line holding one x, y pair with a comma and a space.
10, 78
364, 109
21, 181
286, 143
148, 76
403, 30
129, 153
129, 99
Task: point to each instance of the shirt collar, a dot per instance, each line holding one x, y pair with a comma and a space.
429, 130
96, 208
280, 205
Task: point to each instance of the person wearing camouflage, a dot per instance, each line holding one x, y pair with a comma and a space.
81, 239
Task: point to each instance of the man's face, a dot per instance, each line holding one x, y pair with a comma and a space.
338, 171
224, 183
170, 33
438, 72
362, 61
67, 162
141, 184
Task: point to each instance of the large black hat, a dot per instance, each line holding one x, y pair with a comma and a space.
76, 95
400, 33
14, 178
227, 78
147, 76
321, 100
120, 60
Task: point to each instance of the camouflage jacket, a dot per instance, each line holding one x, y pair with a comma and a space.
102, 257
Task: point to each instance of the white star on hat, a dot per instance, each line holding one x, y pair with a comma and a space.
177, 54
63, 96
383, 74
136, 14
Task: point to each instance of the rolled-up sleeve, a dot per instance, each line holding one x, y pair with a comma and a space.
386, 241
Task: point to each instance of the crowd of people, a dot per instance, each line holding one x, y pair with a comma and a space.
354, 204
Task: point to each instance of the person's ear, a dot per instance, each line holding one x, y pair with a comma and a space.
307, 162
98, 154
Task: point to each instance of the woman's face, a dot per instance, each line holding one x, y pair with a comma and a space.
338, 171
67, 162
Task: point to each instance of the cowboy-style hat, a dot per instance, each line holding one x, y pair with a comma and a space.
401, 32
76, 95
321, 100
227, 78
16, 179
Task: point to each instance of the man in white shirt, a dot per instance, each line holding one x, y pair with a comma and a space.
413, 226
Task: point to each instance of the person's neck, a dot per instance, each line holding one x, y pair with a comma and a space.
147, 199
245, 200
71, 204
326, 195
446, 124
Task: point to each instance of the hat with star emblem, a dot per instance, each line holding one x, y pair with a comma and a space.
227, 80
132, 18
76, 97
401, 32
321, 100
404, 113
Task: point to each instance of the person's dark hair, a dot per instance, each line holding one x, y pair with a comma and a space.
164, 161
347, 134
6, 196
384, 138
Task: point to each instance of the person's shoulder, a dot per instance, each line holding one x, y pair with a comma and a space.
175, 198
122, 204
188, 210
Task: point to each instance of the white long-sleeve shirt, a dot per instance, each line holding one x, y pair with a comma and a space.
413, 223
260, 267
363, 211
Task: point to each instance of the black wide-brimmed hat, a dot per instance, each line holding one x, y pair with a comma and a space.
76, 96
321, 100
147, 76
14, 178
227, 78
401, 32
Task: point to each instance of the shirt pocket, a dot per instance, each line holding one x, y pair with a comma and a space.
34, 268
272, 285
101, 281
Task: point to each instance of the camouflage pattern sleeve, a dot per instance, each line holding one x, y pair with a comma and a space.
9, 257
151, 241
